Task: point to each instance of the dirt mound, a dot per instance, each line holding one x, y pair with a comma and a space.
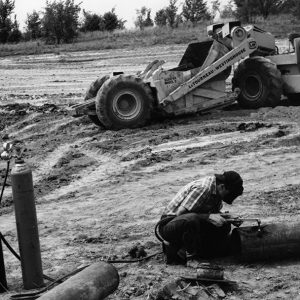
290, 113
24, 108
63, 172
11, 114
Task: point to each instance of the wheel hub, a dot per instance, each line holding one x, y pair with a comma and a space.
126, 105
253, 87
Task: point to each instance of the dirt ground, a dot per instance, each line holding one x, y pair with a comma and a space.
98, 192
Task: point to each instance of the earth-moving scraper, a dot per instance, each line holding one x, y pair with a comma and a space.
261, 77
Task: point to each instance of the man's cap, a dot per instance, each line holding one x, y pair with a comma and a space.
234, 184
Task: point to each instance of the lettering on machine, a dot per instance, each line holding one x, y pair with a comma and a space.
218, 67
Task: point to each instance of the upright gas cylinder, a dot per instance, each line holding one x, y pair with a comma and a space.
27, 229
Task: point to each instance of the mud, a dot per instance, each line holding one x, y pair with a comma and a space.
99, 193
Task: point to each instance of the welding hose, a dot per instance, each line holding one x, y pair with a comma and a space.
35, 295
29, 296
5, 179
163, 221
1, 235
2, 238
18, 256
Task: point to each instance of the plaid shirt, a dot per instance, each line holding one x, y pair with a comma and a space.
199, 196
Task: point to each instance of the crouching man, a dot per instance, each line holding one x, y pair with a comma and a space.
192, 224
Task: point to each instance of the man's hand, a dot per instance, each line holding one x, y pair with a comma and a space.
235, 221
216, 219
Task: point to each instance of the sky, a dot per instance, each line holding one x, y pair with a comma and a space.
125, 9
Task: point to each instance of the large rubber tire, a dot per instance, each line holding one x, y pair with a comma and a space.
124, 102
260, 83
91, 92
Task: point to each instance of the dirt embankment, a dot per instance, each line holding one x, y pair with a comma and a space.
100, 192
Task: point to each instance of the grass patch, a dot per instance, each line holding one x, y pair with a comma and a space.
279, 26
105, 40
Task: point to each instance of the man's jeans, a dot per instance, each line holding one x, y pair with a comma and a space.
196, 235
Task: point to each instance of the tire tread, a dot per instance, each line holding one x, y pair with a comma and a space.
103, 95
271, 75
91, 92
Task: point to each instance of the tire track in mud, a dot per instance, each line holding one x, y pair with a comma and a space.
119, 167
131, 166
116, 216
128, 162
119, 157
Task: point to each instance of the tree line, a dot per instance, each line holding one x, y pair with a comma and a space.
247, 9
59, 22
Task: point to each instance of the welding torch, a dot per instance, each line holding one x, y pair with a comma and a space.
238, 221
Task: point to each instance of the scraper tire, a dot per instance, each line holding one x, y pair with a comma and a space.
124, 102
260, 83
92, 92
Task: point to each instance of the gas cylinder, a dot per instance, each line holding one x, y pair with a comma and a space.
95, 282
26, 221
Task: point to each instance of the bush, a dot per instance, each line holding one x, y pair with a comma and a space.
195, 11
15, 36
92, 22
60, 22
6, 24
161, 17
143, 18
33, 26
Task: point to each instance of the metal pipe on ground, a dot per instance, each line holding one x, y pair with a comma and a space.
266, 242
93, 283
